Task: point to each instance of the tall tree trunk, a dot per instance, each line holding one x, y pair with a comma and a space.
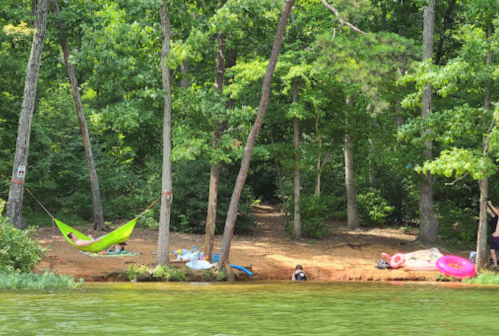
318, 177
211, 218
166, 202
250, 143
429, 220
297, 182
445, 25
353, 216
184, 68
16, 192
279, 180
481, 244
94, 181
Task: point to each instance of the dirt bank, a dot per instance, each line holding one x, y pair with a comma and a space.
267, 249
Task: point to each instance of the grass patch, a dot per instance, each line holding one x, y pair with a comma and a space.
484, 278
46, 280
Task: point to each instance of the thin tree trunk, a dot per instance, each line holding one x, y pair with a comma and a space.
318, 177
166, 202
297, 182
445, 25
279, 180
209, 240
353, 216
184, 68
16, 192
248, 150
429, 220
481, 244
94, 181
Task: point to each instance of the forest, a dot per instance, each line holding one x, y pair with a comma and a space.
370, 112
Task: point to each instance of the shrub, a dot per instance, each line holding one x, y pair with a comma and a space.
169, 273
18, 252
314, 213
46, 280
373, 208
135, 272
214, 275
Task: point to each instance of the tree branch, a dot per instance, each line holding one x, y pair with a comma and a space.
343, 23
457, 179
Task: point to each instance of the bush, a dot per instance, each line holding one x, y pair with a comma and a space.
46, 280
18, 252
135, 272
315, 211
168, 273
373, 208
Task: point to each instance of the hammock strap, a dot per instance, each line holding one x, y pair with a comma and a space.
157, 199
22, 183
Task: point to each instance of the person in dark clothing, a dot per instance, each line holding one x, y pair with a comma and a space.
299, 274
494, 228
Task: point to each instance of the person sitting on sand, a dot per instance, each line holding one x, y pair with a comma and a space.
299, 274
81, 242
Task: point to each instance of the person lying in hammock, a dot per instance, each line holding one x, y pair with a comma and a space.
81, 242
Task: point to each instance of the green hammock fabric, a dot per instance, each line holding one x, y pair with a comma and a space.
117, 236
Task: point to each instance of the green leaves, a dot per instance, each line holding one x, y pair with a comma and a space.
18, 252
457, 162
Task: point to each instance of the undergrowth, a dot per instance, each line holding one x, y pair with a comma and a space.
46, 280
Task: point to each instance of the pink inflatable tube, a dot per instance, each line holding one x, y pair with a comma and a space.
456, 267
396, 261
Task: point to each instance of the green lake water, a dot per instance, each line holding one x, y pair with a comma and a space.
262, 308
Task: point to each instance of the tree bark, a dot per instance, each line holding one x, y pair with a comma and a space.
297, 182
248, 150
16, 192
279, 180
353, 216
481, 244
94, 181
429, 220
215, 167
445, 25
166, 202
184, 68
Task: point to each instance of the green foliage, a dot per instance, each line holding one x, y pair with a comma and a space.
135, 272
18, 252
168, 273
457, 225
373, 208
45, 280
485, 277
315, 213
217, 276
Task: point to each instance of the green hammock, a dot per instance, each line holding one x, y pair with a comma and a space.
117, 236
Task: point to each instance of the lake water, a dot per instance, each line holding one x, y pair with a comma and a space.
263, 308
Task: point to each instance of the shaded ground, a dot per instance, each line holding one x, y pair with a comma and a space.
348, 255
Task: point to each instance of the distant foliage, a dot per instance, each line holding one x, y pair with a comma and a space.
457, 225
18, 252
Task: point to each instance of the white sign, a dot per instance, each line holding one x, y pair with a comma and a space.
21, 171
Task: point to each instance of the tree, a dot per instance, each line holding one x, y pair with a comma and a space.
94, 181
166, 202
15, 201
232, 214
429, 221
